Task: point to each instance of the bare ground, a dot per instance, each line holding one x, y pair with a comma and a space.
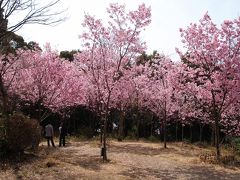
127, 160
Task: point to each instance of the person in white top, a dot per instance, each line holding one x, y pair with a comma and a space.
49, 134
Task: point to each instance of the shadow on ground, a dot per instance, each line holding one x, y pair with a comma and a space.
142, 150
87, 162
194, 172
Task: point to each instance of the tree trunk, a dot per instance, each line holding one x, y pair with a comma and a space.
104, 147
5, 99
191, 137
213, 135
200, 132
165, 130
182, 132
101, 135
217, 136
74, 124
121, 126
138, 124
165, 135
137, 129
39, 112
152, 124
216, 116
101, 130
89, 117
176, 132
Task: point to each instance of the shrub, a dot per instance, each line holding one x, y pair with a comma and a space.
234, 143
86, 132
208, 157
153, 139
130, 138
22, 132
120, 138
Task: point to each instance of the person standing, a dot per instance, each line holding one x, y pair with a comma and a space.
63, 133
49, 134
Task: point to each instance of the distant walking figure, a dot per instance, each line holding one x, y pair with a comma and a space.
63, 133
49, 134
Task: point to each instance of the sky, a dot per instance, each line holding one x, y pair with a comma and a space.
161, 35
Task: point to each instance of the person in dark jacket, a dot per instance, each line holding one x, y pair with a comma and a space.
62, 134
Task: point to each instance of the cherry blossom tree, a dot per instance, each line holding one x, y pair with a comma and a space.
212, 55
46, 80
163, 97
108, 50
138, 90
122, 100
9, 66
188, 108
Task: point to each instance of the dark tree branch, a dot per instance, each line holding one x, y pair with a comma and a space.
34, 14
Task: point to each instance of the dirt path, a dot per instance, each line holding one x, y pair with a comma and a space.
128, 160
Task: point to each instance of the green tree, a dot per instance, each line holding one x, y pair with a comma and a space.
68, 55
